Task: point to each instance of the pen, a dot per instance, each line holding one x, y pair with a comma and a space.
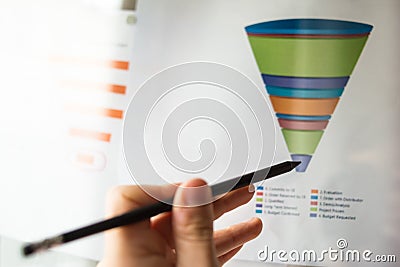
149, 211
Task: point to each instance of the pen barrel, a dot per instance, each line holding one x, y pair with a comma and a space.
130, 217
152, 210
149, 211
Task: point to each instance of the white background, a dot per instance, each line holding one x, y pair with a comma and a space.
358, 152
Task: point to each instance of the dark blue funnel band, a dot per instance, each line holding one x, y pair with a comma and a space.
306, 83
309, 26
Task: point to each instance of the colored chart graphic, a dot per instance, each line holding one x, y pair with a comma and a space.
259, 199
305, 65
92, 81
314, 203
90, 88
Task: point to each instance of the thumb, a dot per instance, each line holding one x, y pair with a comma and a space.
192, 225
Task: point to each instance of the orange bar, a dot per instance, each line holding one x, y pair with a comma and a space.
115, 64
118, 89
105, 137
112, 113
304, 106
122, 65
85, 158
314, 191
111, 88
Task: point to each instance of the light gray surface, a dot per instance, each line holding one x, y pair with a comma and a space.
10, 256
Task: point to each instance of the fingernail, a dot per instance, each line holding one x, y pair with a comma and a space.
195, 192
251, 188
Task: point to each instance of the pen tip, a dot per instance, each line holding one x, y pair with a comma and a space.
42, 245
294, 164
27, 250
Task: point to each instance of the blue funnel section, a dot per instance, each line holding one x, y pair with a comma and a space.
303, 118
309, 26
304, 93
305, 160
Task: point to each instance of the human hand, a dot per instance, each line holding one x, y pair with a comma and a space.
183, 237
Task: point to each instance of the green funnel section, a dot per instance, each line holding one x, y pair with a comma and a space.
307, 57
302, 141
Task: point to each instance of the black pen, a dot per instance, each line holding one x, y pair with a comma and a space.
149, 211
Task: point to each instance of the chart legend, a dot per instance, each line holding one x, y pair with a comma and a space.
314, 203
259, 199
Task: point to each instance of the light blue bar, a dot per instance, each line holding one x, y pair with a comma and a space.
304, 93
314, 197
258, 211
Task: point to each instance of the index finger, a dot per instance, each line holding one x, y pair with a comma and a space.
232, 200
124, 198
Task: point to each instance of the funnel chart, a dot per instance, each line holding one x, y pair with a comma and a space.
305, 65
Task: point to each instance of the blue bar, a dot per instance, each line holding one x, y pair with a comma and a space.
260, 187
259, 205
303, 118
306, 26
313, 215
314, 197
258, 211
309, 83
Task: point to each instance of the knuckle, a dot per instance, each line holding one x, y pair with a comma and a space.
120, 199
195, 229
114, 194
197, 233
